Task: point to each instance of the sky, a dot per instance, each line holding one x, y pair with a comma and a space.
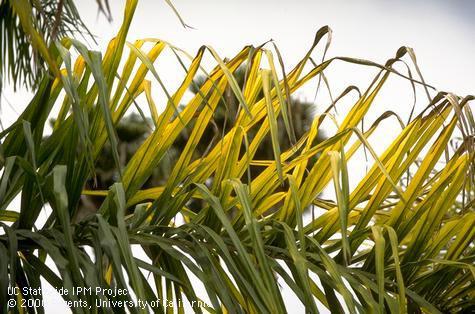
440, 32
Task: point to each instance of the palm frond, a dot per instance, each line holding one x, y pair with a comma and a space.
391, 244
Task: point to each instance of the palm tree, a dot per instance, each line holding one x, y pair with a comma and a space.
379, 246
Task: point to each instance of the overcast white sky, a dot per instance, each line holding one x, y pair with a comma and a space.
441, 32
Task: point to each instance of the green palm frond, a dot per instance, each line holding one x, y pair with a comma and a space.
28, 30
